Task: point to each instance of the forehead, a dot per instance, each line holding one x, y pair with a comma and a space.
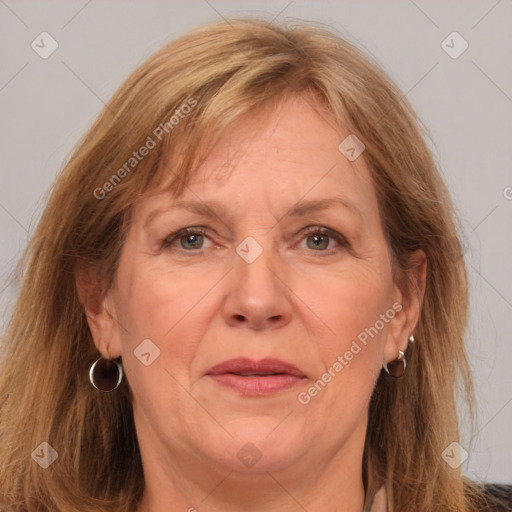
280, 153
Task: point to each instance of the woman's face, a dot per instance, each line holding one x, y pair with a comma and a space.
290, 265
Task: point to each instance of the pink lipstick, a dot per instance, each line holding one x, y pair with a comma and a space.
256, 378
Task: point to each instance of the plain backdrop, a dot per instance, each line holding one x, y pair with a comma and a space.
465, 102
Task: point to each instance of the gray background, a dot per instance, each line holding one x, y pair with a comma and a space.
47, 104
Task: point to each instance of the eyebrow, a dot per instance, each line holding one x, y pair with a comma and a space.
216, 209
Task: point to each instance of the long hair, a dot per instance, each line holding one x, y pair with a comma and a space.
184, 96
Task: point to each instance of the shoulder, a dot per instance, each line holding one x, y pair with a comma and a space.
498, 497
502, 495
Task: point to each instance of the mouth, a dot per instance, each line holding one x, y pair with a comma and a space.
256, 378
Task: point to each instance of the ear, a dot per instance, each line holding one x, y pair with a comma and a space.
99, 309
408, 296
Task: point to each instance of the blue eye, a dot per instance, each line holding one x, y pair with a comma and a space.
194, 239
190, 239
321, 238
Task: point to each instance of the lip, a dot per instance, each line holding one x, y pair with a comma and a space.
256, 378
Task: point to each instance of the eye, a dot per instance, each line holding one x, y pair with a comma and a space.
319, 239
190, 239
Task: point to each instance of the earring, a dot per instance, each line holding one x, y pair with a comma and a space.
397, 367
106, 374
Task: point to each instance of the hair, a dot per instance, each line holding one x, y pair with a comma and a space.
223, 71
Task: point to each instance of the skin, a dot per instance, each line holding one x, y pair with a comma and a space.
201, 303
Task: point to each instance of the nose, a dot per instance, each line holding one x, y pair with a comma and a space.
258, 297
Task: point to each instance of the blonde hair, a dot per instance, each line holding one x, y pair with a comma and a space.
223, 71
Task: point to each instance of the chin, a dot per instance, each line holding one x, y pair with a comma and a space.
262, 443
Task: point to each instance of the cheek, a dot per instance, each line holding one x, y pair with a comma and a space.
347, 304
158, 315
154, 303
356, 305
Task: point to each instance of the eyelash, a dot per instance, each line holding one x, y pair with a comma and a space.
167, 242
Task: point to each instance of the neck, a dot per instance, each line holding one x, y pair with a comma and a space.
314, 483
265, 492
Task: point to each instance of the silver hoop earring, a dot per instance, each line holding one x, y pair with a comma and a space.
397, 367
106, 374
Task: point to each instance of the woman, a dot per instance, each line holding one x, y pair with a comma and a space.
246, 292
